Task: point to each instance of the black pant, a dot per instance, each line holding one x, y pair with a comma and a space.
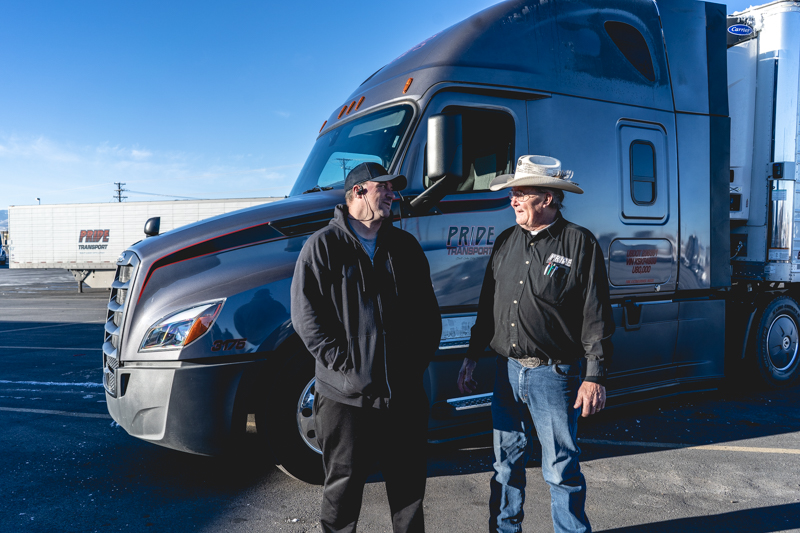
352, 440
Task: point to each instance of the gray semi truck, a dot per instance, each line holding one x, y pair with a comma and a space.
691, 198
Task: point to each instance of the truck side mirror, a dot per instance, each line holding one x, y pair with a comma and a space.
445, 152
152, 226
445, 158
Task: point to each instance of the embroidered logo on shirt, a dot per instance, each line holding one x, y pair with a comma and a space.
555, 263
559, 259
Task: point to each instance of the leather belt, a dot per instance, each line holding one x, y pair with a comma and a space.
533, 361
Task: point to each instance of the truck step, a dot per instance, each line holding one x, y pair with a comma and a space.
471, 402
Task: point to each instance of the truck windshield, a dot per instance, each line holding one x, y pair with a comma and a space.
375, 137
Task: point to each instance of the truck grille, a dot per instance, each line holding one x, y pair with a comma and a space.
115, 318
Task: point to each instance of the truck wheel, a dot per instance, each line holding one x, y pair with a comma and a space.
288, 420
777, 353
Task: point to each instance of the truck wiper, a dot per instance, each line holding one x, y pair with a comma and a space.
317, 189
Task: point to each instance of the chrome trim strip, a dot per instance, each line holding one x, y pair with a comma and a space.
645, 302
453, 346
117, 312
111, 329
120, 284
473, 397
109, 350
110, 382
471, 402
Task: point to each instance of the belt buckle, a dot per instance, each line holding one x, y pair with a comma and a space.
530, 362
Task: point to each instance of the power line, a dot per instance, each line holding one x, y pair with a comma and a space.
119, 190
167, 195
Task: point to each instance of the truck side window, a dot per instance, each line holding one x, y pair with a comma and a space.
643, 173
488, 148
631, 43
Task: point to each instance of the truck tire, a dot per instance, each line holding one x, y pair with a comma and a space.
288, 421
777, 355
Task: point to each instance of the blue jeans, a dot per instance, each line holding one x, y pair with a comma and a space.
546, 394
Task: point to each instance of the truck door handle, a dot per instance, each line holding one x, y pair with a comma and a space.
632, 315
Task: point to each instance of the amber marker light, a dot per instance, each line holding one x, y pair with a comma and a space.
202, 323
408, 84
360, 101
352, 105
323, 126
181, 328
342, 112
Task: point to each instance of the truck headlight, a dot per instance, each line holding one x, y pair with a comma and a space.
181, 328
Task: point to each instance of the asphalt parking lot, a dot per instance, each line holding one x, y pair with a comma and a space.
719, 461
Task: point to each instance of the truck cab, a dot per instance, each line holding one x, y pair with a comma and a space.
199, 332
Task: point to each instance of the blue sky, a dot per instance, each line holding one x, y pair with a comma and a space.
185, 99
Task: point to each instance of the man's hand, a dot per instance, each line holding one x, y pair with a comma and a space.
591, 396
466, 384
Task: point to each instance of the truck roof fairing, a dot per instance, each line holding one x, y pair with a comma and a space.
569, 49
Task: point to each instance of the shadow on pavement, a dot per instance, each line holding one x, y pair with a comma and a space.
690, 419
760, 520
175, 474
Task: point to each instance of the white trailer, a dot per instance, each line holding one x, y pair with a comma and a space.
87, 239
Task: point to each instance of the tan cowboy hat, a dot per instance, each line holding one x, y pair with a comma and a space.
537, 171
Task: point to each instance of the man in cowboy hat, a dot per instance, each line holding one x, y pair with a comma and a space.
544, 308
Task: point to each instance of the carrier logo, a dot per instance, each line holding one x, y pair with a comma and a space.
93, 235
470, 240
740, 29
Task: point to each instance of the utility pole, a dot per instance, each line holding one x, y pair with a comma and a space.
345, 167
119, 190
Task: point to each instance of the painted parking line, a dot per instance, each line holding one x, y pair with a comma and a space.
676, 446
65, 324
50, 412
94, 349
37, 327
51, 383
49, 309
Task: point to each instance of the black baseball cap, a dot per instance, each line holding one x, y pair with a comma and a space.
373, 172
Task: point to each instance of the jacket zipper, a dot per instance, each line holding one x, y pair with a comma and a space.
380, 312
385, 360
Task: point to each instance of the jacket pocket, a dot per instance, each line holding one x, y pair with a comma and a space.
335, 358
361, 354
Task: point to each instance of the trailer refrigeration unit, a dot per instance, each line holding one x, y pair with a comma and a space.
86, 239
694, 208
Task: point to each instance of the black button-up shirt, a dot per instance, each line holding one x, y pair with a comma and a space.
546, 295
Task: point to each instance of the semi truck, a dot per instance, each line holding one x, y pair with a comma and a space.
86, 239
679, 122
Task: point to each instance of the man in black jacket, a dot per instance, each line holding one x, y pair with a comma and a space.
364, 306
545, 309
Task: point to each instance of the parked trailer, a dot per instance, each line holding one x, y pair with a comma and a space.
86, 239
3, 252
631, 95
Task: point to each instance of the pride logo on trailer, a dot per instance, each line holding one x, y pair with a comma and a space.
96, 235
93, 236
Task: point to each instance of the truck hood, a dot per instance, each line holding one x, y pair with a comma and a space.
285, 218
258, 246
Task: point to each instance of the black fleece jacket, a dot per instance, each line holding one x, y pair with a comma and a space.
372, 327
